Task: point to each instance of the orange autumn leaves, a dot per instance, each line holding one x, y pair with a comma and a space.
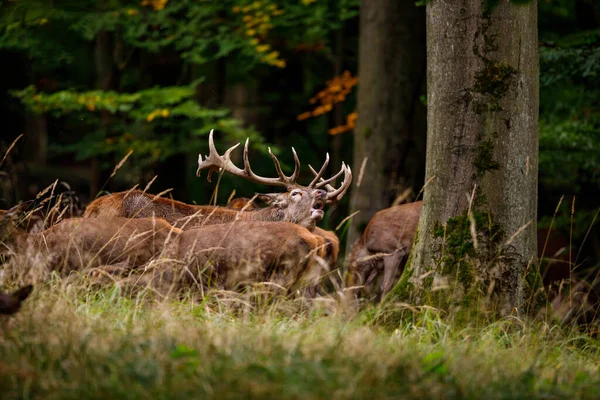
336, 91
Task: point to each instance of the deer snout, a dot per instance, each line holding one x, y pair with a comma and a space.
320, 194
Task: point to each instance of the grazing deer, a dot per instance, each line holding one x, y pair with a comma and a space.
11, 303
332, 240
231, 255
76, 243
297, 204
377, 259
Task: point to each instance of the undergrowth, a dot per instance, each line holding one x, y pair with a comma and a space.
70, 342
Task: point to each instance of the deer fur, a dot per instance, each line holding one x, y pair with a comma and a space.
332, 240
296, 206
77, 243
378, 258
232, 255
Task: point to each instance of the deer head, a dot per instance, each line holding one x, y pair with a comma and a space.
319, 188
302, 206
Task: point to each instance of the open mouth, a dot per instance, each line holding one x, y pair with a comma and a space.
318, 205
317, 210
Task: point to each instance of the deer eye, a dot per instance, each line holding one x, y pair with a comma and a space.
296, 193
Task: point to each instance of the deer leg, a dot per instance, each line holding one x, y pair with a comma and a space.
116, 269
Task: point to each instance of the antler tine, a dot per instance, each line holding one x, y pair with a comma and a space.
334, 194
321, 171
278, 167
337, 195
247, 168
296, 173
216, 162
211, 144
326, 182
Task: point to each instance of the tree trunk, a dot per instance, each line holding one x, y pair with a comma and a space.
477, 231
105, 70
391, 72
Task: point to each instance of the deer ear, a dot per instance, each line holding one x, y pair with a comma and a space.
269, 198
23, 293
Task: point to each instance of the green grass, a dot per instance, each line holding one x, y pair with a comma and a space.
72, 342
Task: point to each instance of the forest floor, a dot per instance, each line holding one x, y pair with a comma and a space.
71, 342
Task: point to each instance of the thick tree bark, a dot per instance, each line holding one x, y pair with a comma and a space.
477, 231
389, 129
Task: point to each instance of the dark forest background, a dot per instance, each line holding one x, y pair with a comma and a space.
88, 82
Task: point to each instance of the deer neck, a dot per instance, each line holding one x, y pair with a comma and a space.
264, 214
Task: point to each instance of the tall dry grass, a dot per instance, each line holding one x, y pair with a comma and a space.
69, 341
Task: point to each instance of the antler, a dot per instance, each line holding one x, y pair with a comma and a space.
216, 162
333, 194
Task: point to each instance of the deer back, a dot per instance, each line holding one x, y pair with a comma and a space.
231, 255
241, 203
298, 206
78, 243
377, 259
108, 240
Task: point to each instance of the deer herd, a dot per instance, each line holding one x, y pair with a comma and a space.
150, 241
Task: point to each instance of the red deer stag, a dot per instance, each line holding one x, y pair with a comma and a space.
76, 243
299, 203
10, 303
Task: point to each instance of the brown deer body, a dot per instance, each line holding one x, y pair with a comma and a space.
332, 240
77, 243
227, 256
296, 206
377, 259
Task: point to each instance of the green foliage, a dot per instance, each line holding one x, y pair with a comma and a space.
569, 116
24, 26
61, 40
575, 226
157, 123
